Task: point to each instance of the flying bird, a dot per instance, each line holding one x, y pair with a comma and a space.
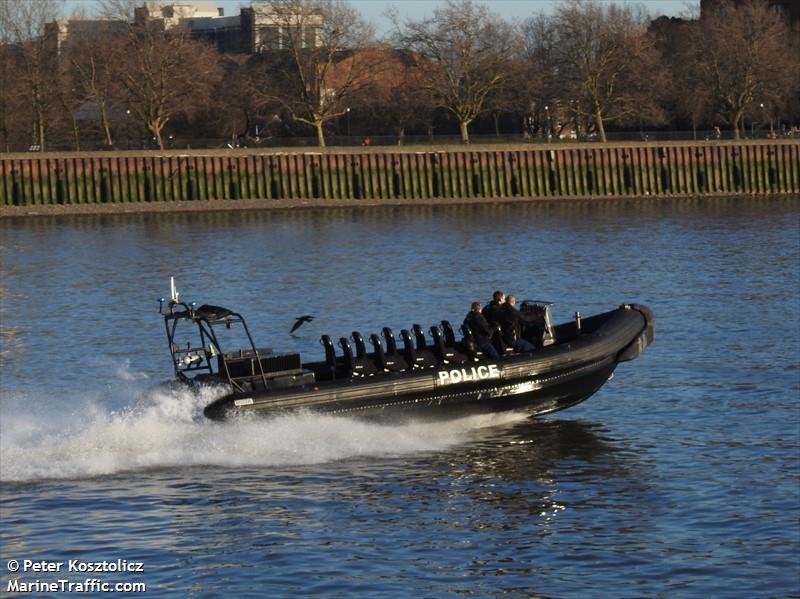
299, 322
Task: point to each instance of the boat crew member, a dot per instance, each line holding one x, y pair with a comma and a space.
481, 330
493, 309
511, 326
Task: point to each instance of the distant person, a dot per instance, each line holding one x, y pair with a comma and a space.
493, 309
481, 330
367, 141
511, 326
717, 132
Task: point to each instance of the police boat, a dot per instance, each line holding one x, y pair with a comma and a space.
434, 375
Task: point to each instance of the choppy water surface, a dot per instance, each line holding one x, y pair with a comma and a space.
679, 479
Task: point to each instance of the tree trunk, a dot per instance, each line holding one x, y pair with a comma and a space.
156, 131
4, 129
320, 134
496, 117
106, 125
40, 131
737, 124
464, 131
598, 118
76, 133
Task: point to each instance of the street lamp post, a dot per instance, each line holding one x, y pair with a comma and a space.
347, 112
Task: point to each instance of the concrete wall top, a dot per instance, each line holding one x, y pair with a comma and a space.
414, 149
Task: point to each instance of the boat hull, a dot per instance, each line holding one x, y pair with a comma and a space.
541, 382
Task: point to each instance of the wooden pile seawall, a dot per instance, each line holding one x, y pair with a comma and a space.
419, 173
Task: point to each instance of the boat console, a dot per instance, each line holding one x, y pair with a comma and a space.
201, 359
538, 319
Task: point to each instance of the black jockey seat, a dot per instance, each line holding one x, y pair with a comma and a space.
356, 366
416, 359
380, 355
419, 336
498, 342
395, 362
450, 341
409, 353
449, 334
361, 348
391, 344
470, 344
347, 355
335, 365
447, 355
425, 356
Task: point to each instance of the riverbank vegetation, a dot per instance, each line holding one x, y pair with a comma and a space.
588, 70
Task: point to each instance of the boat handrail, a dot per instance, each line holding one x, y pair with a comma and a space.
210, 315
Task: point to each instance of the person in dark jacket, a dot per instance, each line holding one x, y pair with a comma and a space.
511, 326
493, 310
481, 330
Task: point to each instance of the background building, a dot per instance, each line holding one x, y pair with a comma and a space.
790, 9
65, 31
256, 29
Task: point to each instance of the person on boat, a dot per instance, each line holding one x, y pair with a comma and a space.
511, 326
493, 310
481, 330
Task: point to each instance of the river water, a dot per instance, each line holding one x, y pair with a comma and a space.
680, 478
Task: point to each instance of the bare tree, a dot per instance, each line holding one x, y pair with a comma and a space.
238, 107
23, 26
607, 62
740, 55
91, 60
791, 103
393, 94
524, 81
684, 98
313, 59
544, 85
469, 47
9, 109
163, 73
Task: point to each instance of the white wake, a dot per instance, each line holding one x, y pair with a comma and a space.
46, 436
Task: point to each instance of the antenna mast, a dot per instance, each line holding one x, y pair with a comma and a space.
173, 291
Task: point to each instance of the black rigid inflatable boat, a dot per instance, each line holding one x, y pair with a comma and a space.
431, 376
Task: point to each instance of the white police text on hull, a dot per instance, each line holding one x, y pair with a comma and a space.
465, 375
